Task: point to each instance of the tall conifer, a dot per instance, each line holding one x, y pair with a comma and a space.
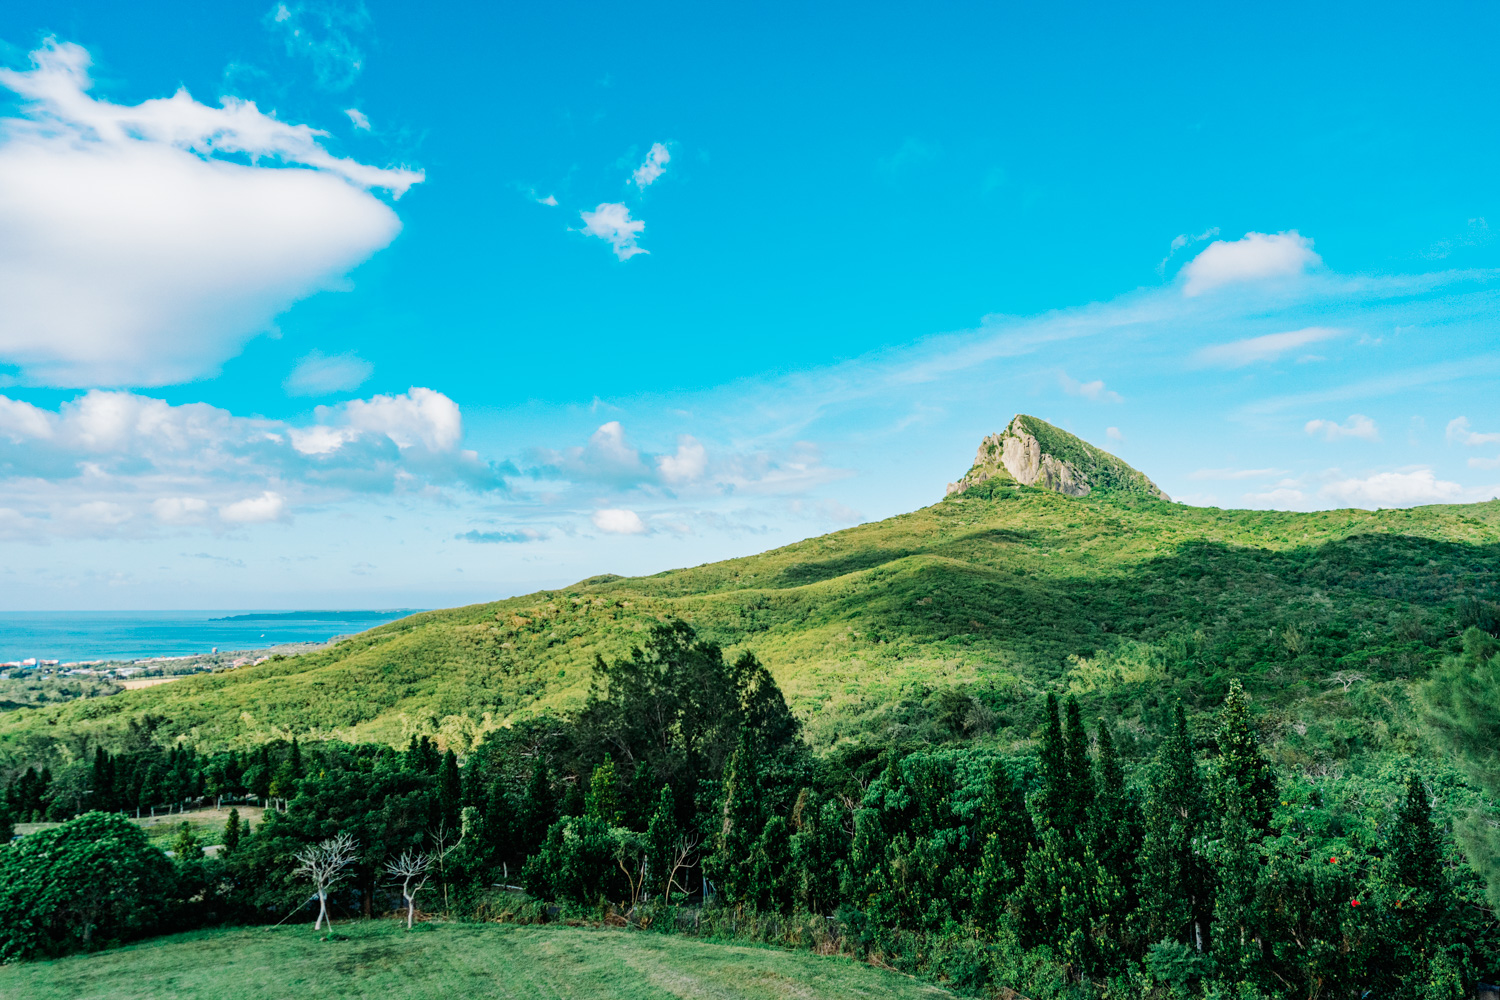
1245, 782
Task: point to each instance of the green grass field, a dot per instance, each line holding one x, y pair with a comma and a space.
379, 959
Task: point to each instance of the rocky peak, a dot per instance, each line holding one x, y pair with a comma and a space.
1032, 452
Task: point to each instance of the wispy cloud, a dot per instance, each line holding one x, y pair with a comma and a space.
1236, 473
326, 34
1095, 390
1459, 432
318, 374
1267, 347
651, 169
1357, 426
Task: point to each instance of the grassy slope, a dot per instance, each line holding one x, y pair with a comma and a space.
379, 959
998, 587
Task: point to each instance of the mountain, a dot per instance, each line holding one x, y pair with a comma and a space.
1032, 452
941, 623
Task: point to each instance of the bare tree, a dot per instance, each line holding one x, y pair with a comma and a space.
324, 864
684, 859
413, 871
444, 843
1346, 678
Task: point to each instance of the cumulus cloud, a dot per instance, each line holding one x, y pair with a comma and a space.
614, 521
1094, 390
1255, 257
687, 465
1392, 489
318, 375
654, 166
608, 457
136, 244
269, 506
1459, 432
1357, 426
1238, 353
197, 465
612, 222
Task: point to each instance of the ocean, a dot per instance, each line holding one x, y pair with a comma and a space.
133, 635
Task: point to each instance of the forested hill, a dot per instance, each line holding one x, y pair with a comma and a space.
944, 623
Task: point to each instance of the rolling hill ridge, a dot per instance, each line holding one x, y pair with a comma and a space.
946, 621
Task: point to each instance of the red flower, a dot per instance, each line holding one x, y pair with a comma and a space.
1333, 861
1353, 902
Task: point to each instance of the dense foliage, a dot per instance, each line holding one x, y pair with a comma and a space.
1198, 865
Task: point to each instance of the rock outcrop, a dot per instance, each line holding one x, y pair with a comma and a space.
1032, 452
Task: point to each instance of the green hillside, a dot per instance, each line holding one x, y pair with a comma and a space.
939, 621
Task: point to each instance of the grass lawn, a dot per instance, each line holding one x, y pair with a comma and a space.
208, 824
379, 959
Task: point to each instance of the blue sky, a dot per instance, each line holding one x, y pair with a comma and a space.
386, 305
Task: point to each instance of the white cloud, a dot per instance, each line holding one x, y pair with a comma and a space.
614, 521
180, 510
1392, 489
358, 117
1238, 353
1114, 434
268, 506
1485, 463
1458, 432
612, 222
174, 465
550, 200
1236, 473
687, 465
417, 416
1357, 426
318, 375
323, 33
1256, 257
1094, 390
654, 166
136, 246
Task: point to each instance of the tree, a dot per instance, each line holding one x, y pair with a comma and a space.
187, 844
325, 865
602, 802
1004, 834
1245, 782
742, 816
412, 870
1176, 886
661, 837
820, 851
94, 878
232, 832
1115, 821
450, 789
1054, 803
1080, 782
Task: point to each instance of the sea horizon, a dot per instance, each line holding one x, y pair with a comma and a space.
81, 636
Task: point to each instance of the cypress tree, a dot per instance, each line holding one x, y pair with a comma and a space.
1416, 848
99, 783
1416, 884
260, 785
500, 823
1246, 784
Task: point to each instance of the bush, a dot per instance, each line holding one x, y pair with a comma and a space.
94, 880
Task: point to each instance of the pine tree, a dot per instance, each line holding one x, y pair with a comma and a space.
1245, 782
500, 824
99, 783
661, 839
232, 833
1054, 803
820, 850
1415, 889
1237, 922
1115, 821
1176, 887
603, 799
742, 817
1004, 834
538, 810
450, 790
767, 882
1080, 771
